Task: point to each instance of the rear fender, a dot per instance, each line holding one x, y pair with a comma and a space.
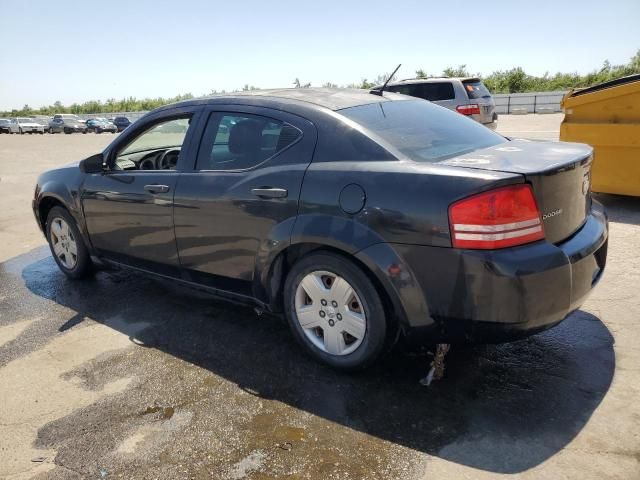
351, 238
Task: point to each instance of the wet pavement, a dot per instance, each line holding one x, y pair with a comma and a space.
125, 376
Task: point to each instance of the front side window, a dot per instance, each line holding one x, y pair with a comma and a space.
157, 148
422, 131
238, 141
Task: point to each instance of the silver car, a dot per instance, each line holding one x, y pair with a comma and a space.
24, 125
67, 123
465, 95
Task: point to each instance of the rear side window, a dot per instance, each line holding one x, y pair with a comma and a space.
475, 89
238, 141
432, 91
422, 131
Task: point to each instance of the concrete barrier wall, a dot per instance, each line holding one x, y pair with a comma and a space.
533, 102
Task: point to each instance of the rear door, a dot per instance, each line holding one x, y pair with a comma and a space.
242, 193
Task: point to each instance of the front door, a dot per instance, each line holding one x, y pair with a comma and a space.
129, 208
242, 193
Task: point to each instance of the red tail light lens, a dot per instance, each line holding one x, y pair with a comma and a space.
472, 109
500, 218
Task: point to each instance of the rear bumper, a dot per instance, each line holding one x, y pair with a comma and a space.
502, 295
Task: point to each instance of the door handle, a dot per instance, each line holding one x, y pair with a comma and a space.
156, 188
268, 192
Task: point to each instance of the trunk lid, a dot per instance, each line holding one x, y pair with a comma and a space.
559, 173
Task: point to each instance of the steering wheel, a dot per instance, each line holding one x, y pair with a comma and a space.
168, 159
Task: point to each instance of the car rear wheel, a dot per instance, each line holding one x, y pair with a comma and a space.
335, 311
21, 131
67, 246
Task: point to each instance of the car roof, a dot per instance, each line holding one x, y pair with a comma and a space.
330, 98
431, 80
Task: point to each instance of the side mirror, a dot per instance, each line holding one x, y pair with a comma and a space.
93, 164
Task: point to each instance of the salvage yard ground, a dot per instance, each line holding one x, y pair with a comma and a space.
123, 376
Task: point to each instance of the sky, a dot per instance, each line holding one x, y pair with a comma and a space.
74, 51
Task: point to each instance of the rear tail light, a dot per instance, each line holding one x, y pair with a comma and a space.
472, 109
500, 218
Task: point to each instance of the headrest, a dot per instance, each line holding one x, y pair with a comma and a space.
245, 137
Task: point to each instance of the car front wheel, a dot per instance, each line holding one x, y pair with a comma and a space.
67, 246
335, 311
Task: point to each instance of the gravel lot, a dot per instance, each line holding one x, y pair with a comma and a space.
123, 376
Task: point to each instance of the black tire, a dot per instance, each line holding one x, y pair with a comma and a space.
21, 131
375, 336
67, 131
83, 266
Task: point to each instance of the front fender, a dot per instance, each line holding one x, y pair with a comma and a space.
64, 191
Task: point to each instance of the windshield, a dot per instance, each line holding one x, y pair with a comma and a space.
25, 120
476, 89
423, 131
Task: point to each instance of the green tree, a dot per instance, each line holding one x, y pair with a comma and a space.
459, 71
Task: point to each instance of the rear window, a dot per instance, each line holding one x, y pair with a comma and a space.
475, 89
432, 91
421, 131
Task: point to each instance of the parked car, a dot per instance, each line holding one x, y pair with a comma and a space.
99, 125
121, 123
24, 125
359, 217
5, 125
465, 95
42, 120
67, 123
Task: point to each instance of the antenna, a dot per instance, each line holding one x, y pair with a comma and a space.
379, 92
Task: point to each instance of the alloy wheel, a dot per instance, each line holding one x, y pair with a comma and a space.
330, 313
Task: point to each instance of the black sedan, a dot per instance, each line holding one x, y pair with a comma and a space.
121, 123
360, 217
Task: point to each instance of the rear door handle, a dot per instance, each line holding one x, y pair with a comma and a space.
268, 192
156, 188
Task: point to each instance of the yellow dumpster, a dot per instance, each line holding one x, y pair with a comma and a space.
607, 117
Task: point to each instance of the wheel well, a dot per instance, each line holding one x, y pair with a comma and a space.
282, 265
45, 206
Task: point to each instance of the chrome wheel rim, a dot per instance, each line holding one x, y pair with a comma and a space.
330, 313
63, 243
